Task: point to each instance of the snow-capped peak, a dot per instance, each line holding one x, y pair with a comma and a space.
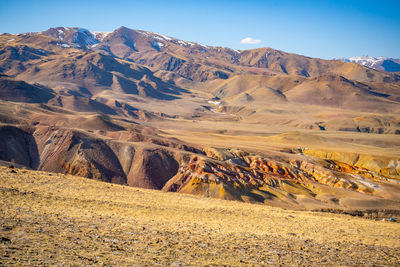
367, 60
380, 63
100, 36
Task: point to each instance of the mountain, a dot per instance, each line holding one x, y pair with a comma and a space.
142, 109
379, 63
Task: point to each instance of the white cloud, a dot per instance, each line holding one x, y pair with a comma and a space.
250, 40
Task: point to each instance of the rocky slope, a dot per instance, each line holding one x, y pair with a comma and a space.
279, 179
275, 180
123, 160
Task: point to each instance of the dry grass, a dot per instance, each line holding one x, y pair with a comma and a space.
266, 138
53, 219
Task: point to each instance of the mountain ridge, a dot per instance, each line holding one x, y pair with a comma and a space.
150, 43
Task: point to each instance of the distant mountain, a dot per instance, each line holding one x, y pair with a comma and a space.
190, 60
78, 63
378, 63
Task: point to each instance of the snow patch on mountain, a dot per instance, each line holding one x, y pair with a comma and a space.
155, 35
158, 45
235, 50
84, 37
161, 37
205, 46
100, 36
164, 37
60, 34
64, 45
180, 42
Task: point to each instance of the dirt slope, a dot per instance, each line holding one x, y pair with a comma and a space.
61, 219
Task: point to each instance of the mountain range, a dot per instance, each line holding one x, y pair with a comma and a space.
143, 109
379, 63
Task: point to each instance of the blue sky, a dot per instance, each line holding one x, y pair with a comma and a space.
325, 29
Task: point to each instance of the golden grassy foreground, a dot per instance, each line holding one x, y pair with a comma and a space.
54, 219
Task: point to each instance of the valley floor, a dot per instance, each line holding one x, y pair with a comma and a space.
55, 219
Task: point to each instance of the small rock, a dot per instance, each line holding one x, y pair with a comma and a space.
5, 240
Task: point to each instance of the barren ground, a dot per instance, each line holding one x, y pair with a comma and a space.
55, 219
